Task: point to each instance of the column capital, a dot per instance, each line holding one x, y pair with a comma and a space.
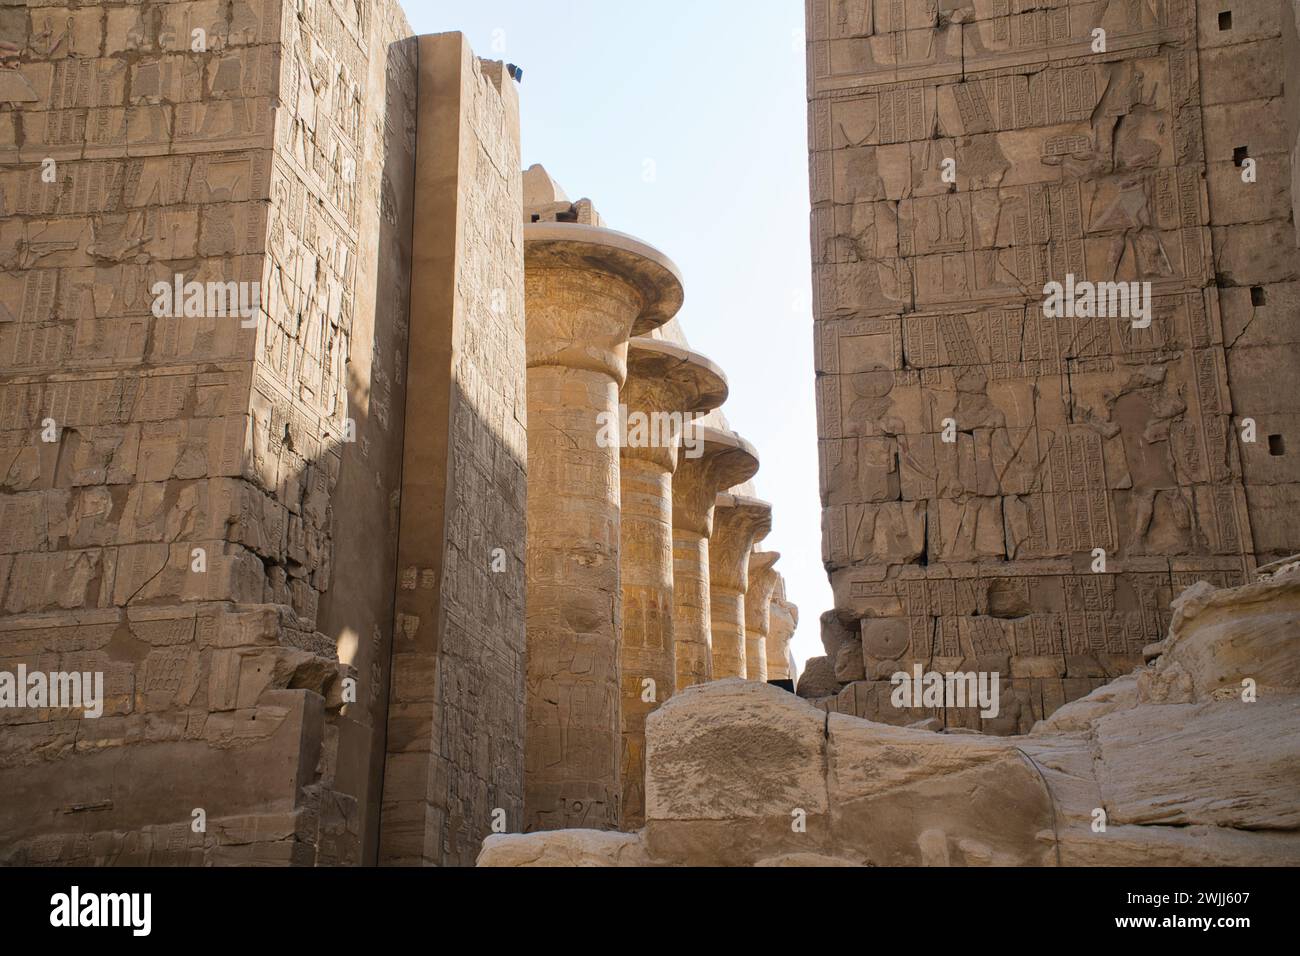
721, 460
758, 618
590, 289
783, 621
739, 521
763, 579
665, 379
761, 562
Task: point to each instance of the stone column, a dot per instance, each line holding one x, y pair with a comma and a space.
758, 603
784, 620
587, 290
669, 383
738, 522
722, 460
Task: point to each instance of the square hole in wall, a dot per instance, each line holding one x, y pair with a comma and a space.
1225, 20
1276, 445
1240, 154
1257, 296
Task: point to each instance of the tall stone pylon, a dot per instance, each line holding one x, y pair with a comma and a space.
758, 611
666, 386
725, 460
588, 289
739, 521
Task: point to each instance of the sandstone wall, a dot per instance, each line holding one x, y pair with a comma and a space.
1068, 434
357, 612
456, 725
1245, 66
275, 147
1291, 88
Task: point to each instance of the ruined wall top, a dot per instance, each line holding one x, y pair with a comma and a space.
546, 201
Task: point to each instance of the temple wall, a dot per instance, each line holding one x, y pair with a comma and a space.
357, 611
1290, 25
1243, 73
456, 720
975, 453
182, 531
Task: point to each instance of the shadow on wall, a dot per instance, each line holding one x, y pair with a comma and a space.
216, 565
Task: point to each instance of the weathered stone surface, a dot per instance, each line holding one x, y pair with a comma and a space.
738, 523
763, 581
455, 712
251, 164
1225, 637
903, 797
564, 848
776, 743
1289, 23
976, 453
784, 617
296, 543
804, 860
724, 461
818, 678
726, 769
666, 387
1190, 787
1115, 779
588, 290
1119, 694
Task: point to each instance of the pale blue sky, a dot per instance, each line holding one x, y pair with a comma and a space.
708, 95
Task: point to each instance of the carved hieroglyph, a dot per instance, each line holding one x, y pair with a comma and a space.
726, 460
455, 720
738, 522
663, 380
587, 291
280, 156
758, 611
979, 459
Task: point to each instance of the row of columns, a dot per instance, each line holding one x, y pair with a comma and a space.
642, 578
662, 379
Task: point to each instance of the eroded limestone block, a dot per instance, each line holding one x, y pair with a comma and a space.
742, 774
1222, 763
1220, 638
906, 797
563, 848
728, 766
818, 679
